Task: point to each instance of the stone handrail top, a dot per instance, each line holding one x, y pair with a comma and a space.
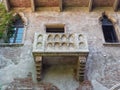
60, 42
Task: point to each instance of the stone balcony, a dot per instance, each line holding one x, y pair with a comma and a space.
60, 43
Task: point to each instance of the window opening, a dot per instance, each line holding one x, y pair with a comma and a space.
15, 35
55, 28
108, 30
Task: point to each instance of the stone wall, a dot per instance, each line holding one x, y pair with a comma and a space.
103, 61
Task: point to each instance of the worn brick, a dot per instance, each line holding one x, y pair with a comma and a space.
104, 3
47, 3
20, 3
76, 3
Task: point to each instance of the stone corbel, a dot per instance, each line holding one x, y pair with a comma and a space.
38, 59
82, 59
38, 64
81, 68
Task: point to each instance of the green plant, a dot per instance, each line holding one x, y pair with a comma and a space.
5, 20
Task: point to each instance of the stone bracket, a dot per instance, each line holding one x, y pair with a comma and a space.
81, 68
38, 64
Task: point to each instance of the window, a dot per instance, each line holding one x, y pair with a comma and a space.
55, 28
108, 30
16, 34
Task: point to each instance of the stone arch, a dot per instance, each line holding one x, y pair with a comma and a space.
112, 19
21, 14
114, 23
23, 23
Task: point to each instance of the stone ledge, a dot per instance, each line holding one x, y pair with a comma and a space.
112, 44
11, 44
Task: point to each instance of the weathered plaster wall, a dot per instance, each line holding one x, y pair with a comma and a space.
103, 64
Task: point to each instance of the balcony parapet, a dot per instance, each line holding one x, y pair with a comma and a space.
60, 43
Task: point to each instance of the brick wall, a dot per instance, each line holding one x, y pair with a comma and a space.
47, 3
119, 5
54, 3
76, 3
20, 3
104, 3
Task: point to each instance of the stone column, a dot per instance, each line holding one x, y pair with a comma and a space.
81, 68
7, 5
38, 64
33, 5
61, 5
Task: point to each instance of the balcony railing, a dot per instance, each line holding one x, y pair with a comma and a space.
60, 43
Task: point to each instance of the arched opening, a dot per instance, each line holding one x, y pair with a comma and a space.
108, 30
16, 30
